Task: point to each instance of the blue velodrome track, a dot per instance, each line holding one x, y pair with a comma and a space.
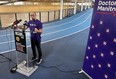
51, 31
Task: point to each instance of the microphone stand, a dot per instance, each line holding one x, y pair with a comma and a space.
11, 26
2, 54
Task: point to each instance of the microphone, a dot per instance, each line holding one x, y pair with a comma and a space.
25, 23
15, 23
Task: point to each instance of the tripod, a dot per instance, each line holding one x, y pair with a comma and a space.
5, 57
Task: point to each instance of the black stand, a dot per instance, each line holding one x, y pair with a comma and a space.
5, 57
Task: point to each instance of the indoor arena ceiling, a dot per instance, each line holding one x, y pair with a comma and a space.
42, 0
3, 2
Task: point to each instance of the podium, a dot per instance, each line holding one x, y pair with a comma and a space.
21, 48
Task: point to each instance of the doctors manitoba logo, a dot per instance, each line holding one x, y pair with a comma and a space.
107, 7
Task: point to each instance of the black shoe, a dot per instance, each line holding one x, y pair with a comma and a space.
33, 59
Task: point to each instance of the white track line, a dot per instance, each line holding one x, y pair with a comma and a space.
50, 40
67, 28
58, 25
55, 31
65, 23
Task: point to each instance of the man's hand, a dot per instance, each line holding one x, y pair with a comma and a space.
38, 31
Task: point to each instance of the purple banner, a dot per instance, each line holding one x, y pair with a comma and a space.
100, 56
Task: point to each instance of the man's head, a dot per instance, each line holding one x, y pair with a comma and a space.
33, 15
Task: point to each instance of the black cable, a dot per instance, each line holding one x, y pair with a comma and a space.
73, 72
9, 46
56, 66
5, 56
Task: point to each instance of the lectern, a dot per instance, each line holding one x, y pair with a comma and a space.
21, 47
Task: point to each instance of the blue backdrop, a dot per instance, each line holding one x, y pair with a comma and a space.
100, 56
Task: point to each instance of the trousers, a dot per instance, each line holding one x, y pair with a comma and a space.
36, 44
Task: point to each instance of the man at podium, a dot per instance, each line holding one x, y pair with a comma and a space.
36, 29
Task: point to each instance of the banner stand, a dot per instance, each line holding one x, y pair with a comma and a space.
82, 71
20, 43
100, 51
